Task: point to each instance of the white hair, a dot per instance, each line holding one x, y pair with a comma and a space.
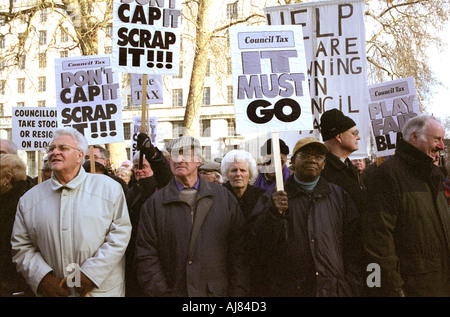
417, 124
239, 156
79, 138
12, 147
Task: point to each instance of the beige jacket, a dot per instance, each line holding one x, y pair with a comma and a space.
84, 223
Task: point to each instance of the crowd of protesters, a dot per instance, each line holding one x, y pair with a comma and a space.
168, 224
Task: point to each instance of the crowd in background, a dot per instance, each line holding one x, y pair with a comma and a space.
166, 223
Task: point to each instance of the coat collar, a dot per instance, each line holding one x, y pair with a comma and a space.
172, 194
419, 163
294, 189
74, 183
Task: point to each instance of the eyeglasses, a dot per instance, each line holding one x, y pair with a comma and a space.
88, 157
355, 133
61, 148
319, 158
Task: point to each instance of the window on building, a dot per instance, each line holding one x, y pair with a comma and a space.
41, 103
22, 62
231, 124
2, 87
2, 110
42, 60
177, 97
232, 11
20, 85
177, 129
2, 41
42, 37
206, 101
108, 49
230, 97
31, 163
64, 34
127, 130
206, 153
129, 101
42, 83
20, 104
205, 128
180, 71
229, 70
43, 15
109, 30
64, 53
208, 68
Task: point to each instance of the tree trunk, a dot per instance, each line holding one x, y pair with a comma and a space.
87, 35
195, 96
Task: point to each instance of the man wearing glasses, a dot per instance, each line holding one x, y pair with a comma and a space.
71, 231
308, 234
341, 136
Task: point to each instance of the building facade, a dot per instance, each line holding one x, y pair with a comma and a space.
30, 43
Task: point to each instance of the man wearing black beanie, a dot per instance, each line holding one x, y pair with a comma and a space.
340, 135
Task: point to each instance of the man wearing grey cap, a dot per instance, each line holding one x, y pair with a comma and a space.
308, 235
341, 136
189, 240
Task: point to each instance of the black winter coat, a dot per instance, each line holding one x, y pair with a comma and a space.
249, 199
314, 248
136, 196
407, 228
10, 280
347, 177
217, 265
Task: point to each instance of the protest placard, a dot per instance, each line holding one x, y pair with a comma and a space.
146, 36
136, 129
269, 79
335, 46
154, 89
391, 104
88, 98
32, 127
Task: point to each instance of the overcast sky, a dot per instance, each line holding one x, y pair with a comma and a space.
440, 63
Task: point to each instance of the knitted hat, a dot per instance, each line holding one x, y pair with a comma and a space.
310, 142
266, 149
334, 122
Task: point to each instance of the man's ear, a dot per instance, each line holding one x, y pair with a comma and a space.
81, 156
8, 177
414, 138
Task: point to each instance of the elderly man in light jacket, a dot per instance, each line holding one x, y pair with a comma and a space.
71, 231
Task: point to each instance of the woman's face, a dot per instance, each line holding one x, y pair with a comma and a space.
5, 182
239, 175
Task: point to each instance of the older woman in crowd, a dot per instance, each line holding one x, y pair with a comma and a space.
124, 173
239, 168
13, 184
